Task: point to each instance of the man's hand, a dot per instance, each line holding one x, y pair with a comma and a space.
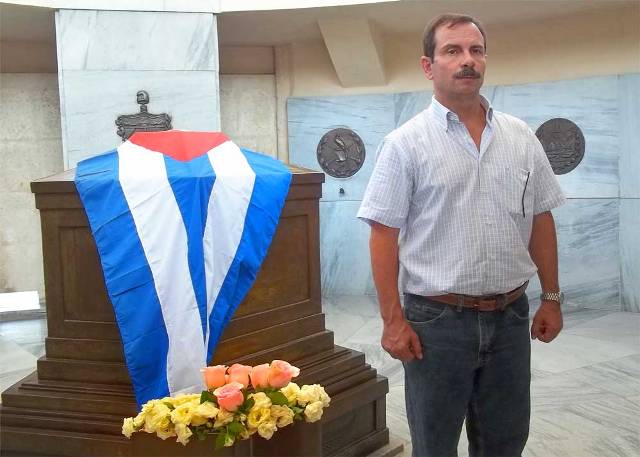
547, 322
400, 341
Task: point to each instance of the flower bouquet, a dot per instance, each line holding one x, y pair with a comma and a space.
239, 401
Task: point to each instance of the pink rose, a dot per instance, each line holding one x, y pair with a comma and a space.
239, 373
260, 375
214, 376
281, 372
230, 396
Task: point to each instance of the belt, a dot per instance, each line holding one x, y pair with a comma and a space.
483, 302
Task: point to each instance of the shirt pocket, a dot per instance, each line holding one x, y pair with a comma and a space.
518, 192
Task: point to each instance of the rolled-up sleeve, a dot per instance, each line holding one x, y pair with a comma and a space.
387, 197
548, 193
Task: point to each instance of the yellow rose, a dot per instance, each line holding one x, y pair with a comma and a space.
307, 394
127, 427
261, 400
257, 416
267, 428
206, 409
182, 414
322, 395
182, 399
184, 433
164, 433
291, 391
157, 418
138, 421
223, 418
313, 411
282, 414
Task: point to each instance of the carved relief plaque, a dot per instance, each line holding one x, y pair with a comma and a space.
563, 142
341, 153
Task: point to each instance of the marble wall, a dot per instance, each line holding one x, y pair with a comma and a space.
596, 232
30, 148
105, 57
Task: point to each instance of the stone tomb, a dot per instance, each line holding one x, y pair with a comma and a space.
73, 405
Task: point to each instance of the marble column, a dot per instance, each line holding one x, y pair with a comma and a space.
106, 57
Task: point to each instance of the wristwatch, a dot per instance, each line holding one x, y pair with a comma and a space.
557, 297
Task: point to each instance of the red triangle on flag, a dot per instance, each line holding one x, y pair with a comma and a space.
179, 144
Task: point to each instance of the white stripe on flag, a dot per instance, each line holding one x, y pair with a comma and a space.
143, 177
227, 209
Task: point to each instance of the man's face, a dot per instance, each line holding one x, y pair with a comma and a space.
457, 67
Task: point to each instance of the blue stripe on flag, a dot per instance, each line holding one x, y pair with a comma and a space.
267, 200
127, 275
191, 183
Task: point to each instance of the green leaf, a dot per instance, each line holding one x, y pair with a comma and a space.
247, 405
278, 398
220, 440
235, 428
169, 405
208, 396
296, 409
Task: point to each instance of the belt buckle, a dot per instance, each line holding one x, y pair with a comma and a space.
493, 303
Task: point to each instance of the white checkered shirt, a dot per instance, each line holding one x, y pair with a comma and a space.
465, 215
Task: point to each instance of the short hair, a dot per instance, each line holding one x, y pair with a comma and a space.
450, 20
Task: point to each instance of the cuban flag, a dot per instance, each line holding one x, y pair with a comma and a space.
182, 222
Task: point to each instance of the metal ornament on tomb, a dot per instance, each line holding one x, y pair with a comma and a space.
341, 153
563, 143
142, 121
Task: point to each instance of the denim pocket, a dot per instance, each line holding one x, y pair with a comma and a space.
422, 312
519, 309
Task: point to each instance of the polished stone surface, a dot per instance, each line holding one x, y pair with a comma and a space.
89, 113
106, 57
136, 40
370, 116
630, 253
629, 99
585, 387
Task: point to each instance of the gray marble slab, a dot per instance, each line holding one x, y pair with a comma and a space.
344, 250
630, 253
92, 100
629, 99
370, 116
136, 40
588, 254
590, 103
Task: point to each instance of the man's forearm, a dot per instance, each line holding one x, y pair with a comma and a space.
543, 248
384, 264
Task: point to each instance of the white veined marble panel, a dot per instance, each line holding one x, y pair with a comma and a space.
135, 40
629, 99
590, 103
630, 253
92, 100
588, 254
344, 250
370, 116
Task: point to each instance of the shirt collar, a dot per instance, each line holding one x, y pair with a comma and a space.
444, 115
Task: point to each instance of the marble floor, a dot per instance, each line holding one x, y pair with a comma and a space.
585, 388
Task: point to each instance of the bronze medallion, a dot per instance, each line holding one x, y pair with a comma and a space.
563, 142
341, 153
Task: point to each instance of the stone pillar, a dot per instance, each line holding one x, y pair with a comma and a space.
106, 57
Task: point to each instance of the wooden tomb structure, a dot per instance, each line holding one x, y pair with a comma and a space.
74, 404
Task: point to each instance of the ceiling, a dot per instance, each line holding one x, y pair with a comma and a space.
34, 24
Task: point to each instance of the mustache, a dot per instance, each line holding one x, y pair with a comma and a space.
467, 72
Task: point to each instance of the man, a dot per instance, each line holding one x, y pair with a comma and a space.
459, 206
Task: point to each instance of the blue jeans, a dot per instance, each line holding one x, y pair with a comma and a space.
475, 365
